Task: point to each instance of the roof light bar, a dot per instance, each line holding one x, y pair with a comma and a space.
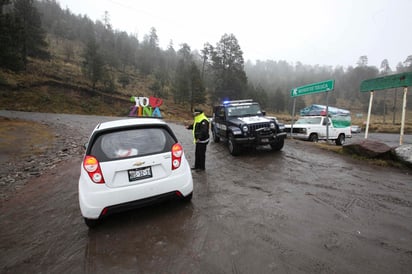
238, 101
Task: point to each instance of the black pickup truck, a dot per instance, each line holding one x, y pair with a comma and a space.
243, 124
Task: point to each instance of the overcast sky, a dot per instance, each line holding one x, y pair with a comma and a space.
323, 32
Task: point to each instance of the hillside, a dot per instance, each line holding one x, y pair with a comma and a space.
59, 86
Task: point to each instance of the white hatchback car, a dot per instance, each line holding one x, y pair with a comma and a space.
129, 163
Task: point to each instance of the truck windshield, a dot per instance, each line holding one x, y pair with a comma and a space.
309, 120
244, 110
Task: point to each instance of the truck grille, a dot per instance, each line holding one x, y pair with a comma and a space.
254, 127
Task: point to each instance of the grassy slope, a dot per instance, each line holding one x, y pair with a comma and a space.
58, 86
20, 139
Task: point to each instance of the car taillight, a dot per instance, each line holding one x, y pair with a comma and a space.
92, 166
177, 152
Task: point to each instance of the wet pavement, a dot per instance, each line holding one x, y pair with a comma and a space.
390, 139
300, 210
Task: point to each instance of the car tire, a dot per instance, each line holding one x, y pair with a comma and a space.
313, 137
234, 149
91, 223
278, 145
341, 139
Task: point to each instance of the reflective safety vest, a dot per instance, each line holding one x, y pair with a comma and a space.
198, 119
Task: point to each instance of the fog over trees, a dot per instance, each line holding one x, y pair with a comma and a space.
215, 72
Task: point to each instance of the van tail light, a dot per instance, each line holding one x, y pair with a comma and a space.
92, 166
177, 153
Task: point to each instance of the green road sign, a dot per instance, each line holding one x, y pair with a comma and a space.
313, 88
387, 82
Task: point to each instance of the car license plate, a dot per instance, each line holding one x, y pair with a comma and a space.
140, 173
264, 140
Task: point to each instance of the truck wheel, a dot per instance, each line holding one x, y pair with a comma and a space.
234, 149
341, 139
313, 137
278, 145
216, 138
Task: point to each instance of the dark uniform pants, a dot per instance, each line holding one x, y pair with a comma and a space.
200, 156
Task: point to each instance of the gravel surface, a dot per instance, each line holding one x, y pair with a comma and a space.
70, 133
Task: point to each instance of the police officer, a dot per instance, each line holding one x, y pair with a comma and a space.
200, 129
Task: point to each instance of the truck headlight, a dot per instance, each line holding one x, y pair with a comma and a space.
272, 126
245, 128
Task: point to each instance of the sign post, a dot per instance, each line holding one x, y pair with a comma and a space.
391, 81
405, 93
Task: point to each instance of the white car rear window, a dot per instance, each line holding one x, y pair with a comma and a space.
132, 143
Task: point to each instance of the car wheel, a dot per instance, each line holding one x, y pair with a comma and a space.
91, 223
313, 138
234, 149
278, 145
216, 138
341, 139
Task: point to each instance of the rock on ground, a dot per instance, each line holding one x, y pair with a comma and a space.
374, 149
370, 149
404, 154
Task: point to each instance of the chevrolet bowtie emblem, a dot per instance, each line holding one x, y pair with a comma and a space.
138, 163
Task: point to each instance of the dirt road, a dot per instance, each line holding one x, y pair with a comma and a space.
301, 210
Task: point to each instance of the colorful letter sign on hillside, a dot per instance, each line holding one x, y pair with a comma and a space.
145, 107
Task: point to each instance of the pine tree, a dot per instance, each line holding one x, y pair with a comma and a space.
93, 62
182, 82
228, 68
10, 55
197, 89
31, 36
